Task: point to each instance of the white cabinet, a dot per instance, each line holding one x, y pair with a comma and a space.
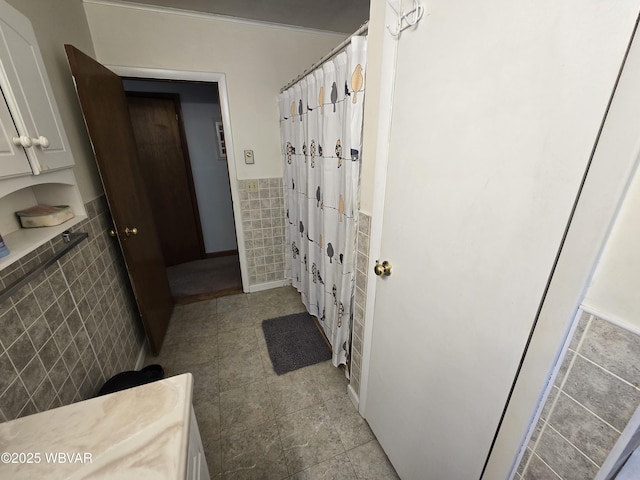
196, 462
35, 159
13, 160
29, 98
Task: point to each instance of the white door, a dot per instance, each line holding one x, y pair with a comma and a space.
496, 109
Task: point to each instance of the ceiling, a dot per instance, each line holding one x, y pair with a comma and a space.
344, 16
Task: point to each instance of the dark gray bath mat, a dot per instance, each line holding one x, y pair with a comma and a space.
294, 342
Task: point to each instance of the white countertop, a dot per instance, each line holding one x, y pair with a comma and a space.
139, 433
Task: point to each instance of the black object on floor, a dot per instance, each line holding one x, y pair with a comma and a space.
131, 379
294, 341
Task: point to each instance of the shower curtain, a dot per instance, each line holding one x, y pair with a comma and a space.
321, 129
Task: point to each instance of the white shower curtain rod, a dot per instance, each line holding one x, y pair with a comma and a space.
362, 29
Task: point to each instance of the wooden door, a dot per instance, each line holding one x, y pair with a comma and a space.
106, 115
487, 152
166, 172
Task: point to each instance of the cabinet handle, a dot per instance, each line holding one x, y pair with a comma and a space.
23, 141
28, 142
42, 142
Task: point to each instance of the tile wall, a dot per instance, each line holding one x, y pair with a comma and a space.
593, 397
362, 269
72, 327
263, 216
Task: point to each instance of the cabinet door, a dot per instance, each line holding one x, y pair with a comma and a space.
13, 160
28, 93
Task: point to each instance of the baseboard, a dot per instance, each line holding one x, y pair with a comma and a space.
268, 285
141, 356
353, 396
223, 253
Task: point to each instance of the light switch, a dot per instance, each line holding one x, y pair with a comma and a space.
248, 157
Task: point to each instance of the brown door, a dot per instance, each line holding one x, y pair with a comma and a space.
166, 171
106, 115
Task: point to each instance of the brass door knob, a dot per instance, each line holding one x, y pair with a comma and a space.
130, 231
382, 269
112, 232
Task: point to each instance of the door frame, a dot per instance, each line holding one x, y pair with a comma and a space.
605, 183
221, 80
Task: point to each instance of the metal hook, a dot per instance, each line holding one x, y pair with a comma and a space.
417, 12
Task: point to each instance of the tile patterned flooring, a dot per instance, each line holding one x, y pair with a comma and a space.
258, 425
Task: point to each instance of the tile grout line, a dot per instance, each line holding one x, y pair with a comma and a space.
617, 377
555, 400
574, 446
547, 465
590, 411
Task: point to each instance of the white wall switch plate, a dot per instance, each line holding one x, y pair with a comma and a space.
252, 185
248, 157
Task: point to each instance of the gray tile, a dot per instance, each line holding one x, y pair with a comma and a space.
9, 373
293, 391
195, 310
613, 348
608, 397
233, 319
33, 374
331, 380
564, 368
208, 416
351, 427
336, 468
548, 405
370, 462
254, 454
44, 294
237, 342
39, 333
237, 371
583, 322
21, 352
206, 383
523, 461
232, 303
198, 349
58, 374
12, 327
245, 407
308, 438
589, 434
14, 399
28, 309
538, 470
181, 328
213, 454
45, 395
564, 458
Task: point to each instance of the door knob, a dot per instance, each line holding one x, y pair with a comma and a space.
130, 231
112, 232
382, 269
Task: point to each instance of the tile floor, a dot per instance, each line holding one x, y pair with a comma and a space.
258, 425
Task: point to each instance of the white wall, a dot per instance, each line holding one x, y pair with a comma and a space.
614, 291
200, 110
258, 59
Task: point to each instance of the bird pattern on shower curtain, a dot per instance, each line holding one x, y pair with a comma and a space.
321, 129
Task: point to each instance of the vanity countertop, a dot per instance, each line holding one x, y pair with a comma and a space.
139, 433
